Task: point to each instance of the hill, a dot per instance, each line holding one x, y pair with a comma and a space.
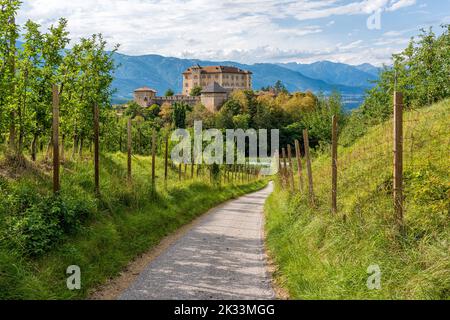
338, 73
321, 256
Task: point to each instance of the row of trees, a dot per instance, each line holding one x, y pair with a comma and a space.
28, 70
84, 74
291, 113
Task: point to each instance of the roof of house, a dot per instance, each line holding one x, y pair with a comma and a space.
214, 88
145, 89
217, 69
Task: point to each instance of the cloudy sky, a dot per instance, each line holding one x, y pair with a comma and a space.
248, 31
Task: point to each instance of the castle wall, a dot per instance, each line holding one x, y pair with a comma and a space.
213, 101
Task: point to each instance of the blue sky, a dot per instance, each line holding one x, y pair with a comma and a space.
249, 31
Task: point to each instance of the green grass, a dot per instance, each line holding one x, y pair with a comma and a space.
108, 233
321, 256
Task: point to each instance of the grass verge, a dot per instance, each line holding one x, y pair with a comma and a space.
127, 221
321, 256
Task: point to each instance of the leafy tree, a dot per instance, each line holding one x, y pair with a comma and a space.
224, 118
420, 72
166, 113
200, 113
279, 87
9, 33
180, 110
196, 91
169, 93
152, 112
319, 120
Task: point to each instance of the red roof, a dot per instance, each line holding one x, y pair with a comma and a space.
218, 69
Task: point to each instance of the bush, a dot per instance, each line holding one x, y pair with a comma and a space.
44, 224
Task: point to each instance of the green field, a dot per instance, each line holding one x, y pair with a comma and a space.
41, 235
321, 256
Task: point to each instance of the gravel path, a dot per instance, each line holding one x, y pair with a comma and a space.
222, 257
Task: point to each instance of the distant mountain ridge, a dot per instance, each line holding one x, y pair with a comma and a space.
337, 73
162, 73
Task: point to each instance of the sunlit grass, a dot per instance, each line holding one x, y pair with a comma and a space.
321, 256
127, 220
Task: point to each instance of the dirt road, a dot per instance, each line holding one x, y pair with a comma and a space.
221, 257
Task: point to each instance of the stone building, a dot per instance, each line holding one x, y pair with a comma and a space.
217, 83
144, 95
214, 96
229, 78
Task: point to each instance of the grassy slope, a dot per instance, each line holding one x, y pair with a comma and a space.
129, 222
324, 257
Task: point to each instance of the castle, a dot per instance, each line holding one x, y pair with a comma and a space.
217, 82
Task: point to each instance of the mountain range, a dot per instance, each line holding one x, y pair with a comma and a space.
162, 73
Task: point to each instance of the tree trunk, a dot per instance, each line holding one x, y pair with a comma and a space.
33, 147
80, 150
75, 145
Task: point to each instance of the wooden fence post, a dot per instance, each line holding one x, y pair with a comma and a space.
398, 157
153, 160
308, 166
97, 149
179, 171
166, 161
284, 174
291, 168
129, 148
192, 167
298, 155
55, 127
334, 168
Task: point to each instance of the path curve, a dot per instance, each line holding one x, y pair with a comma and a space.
222, 257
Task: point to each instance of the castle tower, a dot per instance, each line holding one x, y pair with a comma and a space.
144, 96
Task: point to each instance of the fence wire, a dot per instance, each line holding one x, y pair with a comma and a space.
365, 169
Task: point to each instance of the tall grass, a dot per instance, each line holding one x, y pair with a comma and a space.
41, 236
321, 256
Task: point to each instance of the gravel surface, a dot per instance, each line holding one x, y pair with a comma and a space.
222, 257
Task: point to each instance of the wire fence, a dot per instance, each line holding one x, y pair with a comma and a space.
389, 159
216, 174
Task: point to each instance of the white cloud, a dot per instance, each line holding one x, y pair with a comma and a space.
242, 30
398, 4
